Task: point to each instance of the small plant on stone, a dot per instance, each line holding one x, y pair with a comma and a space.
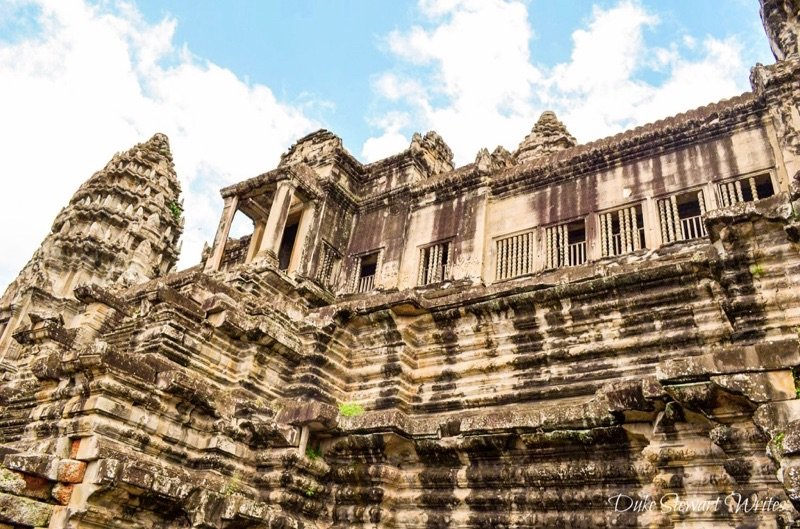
778, 440
309, 492
313, 453
350, 409
756, 270
233, 486
176, 210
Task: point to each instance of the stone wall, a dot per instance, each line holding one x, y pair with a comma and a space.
237, 395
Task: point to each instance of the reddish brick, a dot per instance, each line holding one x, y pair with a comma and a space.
36, 487
73, 448
71, 471
62, 493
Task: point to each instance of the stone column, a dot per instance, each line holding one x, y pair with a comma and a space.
221, 238
255, 240
276, 222
710, 196
306, 219
473, 263
593, 246
652, 224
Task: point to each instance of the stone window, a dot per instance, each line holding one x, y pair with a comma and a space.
434, 263
565, 245
622, 231
746, 189
681, 217
367, 268
288, 240
328, 266
515, 255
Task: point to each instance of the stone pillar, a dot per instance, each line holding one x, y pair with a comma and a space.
593, 247
306, 219
473, 264
221, 238
710, 196
255, 240
276, 222
652, 224
540, 249
304, 435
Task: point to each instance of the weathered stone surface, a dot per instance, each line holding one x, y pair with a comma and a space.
70, 471
62, 493
11, 482
512, 343
45, 466
24, 511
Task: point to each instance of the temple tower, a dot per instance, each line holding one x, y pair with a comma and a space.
120, 228
548, 135
777, 84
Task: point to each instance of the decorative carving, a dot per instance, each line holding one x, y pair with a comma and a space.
548, 136
781, 20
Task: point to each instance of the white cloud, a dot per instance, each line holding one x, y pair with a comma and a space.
602, 90
694, 83
607, 53
391, 141
479, 74
470, 76
91, 81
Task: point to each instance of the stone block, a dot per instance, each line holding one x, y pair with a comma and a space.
24, 511
37, 487
71, 471
759, 387
791, 481
74, 446
11, 482
137, 477
773, 417
62, 493
791, 439
766, 356
45, 466
103, 472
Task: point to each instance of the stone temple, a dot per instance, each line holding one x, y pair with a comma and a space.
540, 338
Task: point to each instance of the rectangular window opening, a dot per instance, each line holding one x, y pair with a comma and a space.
681, 216
367, 269
287, 241
434, 263
748, 189
565, 244
514, 255
622, 231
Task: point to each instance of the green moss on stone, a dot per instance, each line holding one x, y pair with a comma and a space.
11, 481
350, 409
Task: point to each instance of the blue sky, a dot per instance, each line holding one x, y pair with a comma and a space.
331, 52
234, 86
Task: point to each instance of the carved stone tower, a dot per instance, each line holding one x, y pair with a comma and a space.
778, 84
548, 135
121, 227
